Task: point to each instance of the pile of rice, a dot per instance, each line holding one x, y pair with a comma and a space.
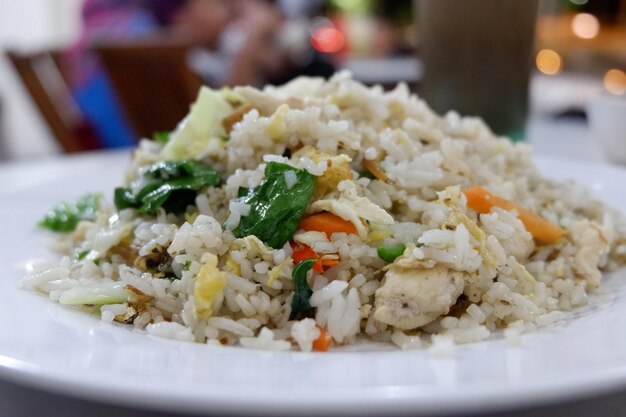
427, 158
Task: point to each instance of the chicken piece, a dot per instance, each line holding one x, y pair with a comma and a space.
591, 240
265, 103
411, 298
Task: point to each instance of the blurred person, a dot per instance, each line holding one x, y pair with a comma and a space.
104, 19
242, 51
258, 45
290, 53
233, 57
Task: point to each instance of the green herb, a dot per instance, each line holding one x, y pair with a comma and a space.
276, 209
161, 137
65, 217
242, 192
187, 266
88, 254
366, 174
300, 306
172, 185
390, 253
171, 276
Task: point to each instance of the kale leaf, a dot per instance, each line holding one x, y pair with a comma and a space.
300, 306
172, 185
65, 217
275, 209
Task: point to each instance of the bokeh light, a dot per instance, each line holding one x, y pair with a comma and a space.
585, 25
327, 39
615, 81
549, 62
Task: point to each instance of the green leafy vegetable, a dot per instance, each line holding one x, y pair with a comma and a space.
390, 253
161, 137
242, 192
366, 174
172, 185
300, 306
275, 209
64, 217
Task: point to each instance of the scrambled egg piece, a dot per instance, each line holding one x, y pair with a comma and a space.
234, 266
338, 169
378, 235
210, 283
253, 245
191, 217
450, 198
352, 207
277, 126
275, 272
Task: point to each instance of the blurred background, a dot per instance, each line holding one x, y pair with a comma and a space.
78, 75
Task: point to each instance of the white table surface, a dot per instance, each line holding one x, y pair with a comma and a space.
564, 138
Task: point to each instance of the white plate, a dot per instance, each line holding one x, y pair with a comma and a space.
47, 345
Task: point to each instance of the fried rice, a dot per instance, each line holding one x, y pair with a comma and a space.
400, 256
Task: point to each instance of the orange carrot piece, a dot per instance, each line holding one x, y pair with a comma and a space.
302, 252
329, 263
374, 168
482, 201
328, 223
322, 343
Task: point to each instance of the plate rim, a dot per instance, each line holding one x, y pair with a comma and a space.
376, 400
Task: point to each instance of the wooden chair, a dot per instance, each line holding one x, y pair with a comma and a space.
152, 81
41, 74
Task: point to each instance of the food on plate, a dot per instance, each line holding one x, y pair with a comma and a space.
319, 213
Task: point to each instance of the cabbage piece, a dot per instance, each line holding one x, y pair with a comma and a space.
96, 294
199, 127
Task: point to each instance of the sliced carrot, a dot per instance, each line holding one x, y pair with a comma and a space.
322, 343
374, 168
329, 263
482, 201
302, 252
328, 223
